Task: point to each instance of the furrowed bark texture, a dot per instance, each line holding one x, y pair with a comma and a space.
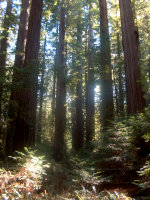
17, 79
90, 110
26, 117
79, 129
135, 96
60, 115
107, 107
39, 126
3, 55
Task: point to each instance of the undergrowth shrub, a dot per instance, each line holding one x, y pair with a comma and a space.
136, 129
144, 179
125, 146
24, 177
144, 174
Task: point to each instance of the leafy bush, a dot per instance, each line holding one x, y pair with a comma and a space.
144, 179
22, 180
124, 148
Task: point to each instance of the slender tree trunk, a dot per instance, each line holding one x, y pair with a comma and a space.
3, 54
26, 116
149, 69
116, 92
17, 80
73, 100
41, 95
135, 96
22, 34
60, 116
107, 107
120, 77
73, 121
79, 131
53, 104
90, 121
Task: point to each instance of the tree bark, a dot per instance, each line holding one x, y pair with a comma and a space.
53, 104
116, 91
107, 107
73, 121
90, 110
79, 130
3, 54
16, 79
39, 132
60, 116
135, 96
26, 117
73, 100
120, 77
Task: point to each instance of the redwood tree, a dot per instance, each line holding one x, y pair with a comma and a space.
107, 108
120, 78
16, 79
135, 96
26, 116
60, 115
53, 103
90, 121
39, 126
79, 124
3, 52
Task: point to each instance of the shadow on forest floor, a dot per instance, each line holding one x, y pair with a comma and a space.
40, 177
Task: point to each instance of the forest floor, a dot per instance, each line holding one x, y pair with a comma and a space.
35, 175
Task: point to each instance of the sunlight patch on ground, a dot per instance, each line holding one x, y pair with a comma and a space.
25, 179
30, 176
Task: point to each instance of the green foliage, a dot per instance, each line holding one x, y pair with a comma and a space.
139, 134
144, 173
137, 130
31, 162
85, 194
22, 180
144, 179
73, 178
124, 149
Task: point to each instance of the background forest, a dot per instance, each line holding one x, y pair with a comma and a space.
75, 87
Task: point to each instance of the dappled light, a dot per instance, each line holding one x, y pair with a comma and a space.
75, 99
23, 180
35, 178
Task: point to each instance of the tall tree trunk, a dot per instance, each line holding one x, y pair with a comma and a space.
39, 132
60, 116
73, 121
79, 131
73, 101
120, 77
3, 54
135, 96
53, 104
116, 91
26, 117
149, 70
90, 121
16, 79
107, 107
